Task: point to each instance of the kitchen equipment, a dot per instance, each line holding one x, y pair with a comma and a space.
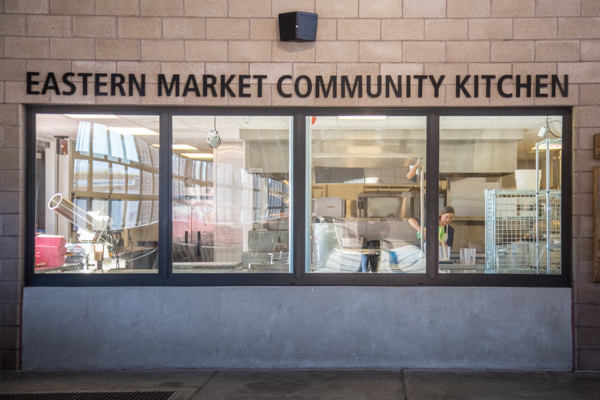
526, 179
329, 207
518, 238
401, 205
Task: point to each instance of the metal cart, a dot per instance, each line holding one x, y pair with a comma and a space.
522, 232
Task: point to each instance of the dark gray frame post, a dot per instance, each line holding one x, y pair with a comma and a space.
165, 197
298, 181
432, 193
30, 153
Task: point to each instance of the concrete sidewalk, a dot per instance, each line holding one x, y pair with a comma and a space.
408, 384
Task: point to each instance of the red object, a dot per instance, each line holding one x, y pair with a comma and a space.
50, 250
49, 261
313, 120
50, 240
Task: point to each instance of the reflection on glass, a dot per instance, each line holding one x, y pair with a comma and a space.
144, 152
367, 181
145, 212
119, 177
116, 146
101, 182
231, 204
116, 213
146, 182
131, 213
155, 155
82, 169
130, 150
100, 140
133, 180
82, 143
97, 206
491, 173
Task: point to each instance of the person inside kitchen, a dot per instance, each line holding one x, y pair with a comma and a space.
445, 231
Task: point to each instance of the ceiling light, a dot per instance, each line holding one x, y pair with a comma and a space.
198, 155
91, 116
362, 117
179, 147
553, 146
132, 131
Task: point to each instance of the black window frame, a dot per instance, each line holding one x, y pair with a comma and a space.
165, 275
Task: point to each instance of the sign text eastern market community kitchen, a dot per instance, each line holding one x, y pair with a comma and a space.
100, 84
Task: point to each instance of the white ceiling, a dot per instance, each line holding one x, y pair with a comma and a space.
192, 130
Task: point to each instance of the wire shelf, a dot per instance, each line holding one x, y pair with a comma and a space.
522, 230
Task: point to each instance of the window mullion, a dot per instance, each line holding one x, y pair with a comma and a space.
298, 209
165, 198
432, 197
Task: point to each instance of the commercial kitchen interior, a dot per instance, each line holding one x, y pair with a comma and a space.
231, 204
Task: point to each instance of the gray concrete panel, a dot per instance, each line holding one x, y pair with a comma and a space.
297, 327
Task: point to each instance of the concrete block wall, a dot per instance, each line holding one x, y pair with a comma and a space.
354, 37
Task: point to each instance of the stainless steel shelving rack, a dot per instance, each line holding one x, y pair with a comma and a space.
522, 227
518, 238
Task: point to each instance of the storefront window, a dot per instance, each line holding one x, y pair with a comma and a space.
353, 184
502, 176
231, 194
96, 204
367, 194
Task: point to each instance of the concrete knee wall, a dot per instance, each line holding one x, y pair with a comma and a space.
297, 327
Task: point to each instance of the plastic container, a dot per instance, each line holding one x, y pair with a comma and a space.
42, 260
468, 255
51, 250
526, 179
444, 253
50, 240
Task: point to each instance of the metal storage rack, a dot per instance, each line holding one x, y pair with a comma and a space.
518, 237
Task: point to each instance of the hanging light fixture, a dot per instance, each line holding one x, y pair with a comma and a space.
545, 131
213, 139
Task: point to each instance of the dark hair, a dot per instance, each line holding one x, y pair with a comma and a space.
447, 209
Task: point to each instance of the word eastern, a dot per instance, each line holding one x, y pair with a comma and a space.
101, 84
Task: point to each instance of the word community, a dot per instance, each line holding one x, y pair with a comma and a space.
343, 86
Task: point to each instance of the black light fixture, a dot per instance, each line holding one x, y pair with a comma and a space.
62, 145
298, 26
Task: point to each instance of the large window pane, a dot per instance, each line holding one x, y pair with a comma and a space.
504, 223
91, 216
367, 192
231, 203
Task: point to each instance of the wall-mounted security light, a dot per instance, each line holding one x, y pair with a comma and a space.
62, 145
298, 26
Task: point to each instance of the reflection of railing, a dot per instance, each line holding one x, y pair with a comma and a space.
83, 220
76, 215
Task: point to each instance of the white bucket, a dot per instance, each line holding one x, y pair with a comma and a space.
526, 179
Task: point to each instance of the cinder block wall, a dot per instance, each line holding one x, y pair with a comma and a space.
354, 37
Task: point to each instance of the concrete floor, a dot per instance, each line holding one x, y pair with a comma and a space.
406, 384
